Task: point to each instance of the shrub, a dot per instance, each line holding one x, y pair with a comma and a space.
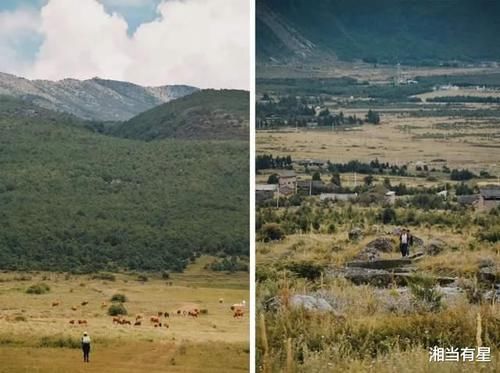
142, 278
424, 292
165, 275
117, 309
304, 269
272, 232
40, 288
59, 342
119, 298
104, 276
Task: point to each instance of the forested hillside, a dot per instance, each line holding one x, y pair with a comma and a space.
207, 114
76, 200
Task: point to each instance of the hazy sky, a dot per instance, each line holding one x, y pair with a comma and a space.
204, 43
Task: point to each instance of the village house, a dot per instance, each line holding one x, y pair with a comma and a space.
489, 198
264, 192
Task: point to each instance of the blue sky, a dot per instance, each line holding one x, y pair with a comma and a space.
150, 42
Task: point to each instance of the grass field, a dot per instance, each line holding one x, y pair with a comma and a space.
37, 337
399, 139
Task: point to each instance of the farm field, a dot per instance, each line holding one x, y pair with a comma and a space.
37, 337
461, 142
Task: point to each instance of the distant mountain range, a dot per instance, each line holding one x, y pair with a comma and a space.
92, 99
412, 31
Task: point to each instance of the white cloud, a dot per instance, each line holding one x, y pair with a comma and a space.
17, 29
128, 3
198, 42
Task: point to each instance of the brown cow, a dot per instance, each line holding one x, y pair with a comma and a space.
82, 322
238, 313
74, 308
154, 319
55, 304
126, 322
193, 313
84, 303
166, 314
160, 314
137, 323
72, 322
179, 312
117, 320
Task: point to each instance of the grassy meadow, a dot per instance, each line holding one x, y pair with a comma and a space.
37, 337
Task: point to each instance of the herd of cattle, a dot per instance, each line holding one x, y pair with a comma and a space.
159, 320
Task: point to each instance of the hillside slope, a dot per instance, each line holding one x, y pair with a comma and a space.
74, 200
207, 115
423, 31
94, 99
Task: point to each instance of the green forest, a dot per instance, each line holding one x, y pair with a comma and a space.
73, 199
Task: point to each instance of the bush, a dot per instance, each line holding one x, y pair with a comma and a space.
117, 309
104, 276
40, 288
59, 342
119, 298
308, 270
272, 232
425, 293
165, 275
142, 278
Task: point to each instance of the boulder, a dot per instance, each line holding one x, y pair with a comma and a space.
382, 244
435, 246
310, 303
355, 234
487, 275
368, 254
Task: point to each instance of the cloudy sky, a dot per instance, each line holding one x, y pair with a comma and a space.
204, 43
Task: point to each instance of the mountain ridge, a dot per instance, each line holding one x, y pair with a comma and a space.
385, 31
91, 99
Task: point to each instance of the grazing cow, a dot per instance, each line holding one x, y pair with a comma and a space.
193, 313
160, 314
126, 322
82, 322
238, 313
156, 325
74, 308
236, 306
155, 319
137, 323
117, 320
138, 317
55, 304
84, 303
179, 312
166, 314
72, 322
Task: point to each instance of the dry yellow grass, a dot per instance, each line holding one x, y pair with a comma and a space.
217, 335
395, 141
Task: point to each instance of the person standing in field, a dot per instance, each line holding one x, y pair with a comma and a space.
86, 347
403, 242
410, 242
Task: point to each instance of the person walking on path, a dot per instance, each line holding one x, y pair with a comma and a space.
86, 347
